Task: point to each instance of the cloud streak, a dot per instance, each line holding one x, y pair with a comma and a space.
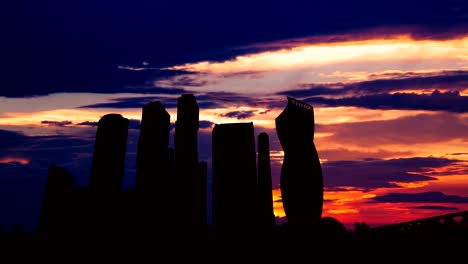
375, 173
436, 101
424, 197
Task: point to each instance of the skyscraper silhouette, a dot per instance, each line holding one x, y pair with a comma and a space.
202, 193
153, 166
301, 173
107, 173
186, 160
154, 181
266, 213
109, 155
57, 204
234, 178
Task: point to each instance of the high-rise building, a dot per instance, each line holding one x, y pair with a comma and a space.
109, 155
301, 173
154, 180
201, 214
234, 176
107, 173
153, 166
186, 161
266, 215
57, 204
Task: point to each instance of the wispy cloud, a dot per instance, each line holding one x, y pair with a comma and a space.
434, 207
239, 114
408, 130
56, 123
375, 173
424, 197
386, 82
436, 101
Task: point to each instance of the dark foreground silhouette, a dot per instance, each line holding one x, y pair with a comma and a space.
165, 215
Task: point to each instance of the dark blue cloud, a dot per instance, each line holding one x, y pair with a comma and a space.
423, 128
375, 94
62, 46
57, 123
376, 173
205, 101
88, 123
11, 139
436, 101
434, 207
205, 124
135, 102
239, 114
21, 191
424, 197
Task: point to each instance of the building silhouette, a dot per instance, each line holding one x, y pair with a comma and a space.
154, 174
234, 176
57, 204
201, 214
188, 178
301, 173
107, 171
266, 215
109, 155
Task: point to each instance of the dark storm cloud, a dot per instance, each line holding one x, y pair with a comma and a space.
135, 102
375, 94
239, 114
205, 101
77, 47
21, 191
88, 123
22, 185
423, 128
436, 101
434, 207
348, 154
375, 173
459, 153
56, 123
205, 124
424, 197
11, 139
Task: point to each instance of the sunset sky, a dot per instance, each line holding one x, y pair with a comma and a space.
388, 82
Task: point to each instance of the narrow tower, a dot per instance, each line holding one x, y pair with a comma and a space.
301, 173
109, 155
107, 174
186, 160
266, 213
234, 179
154, 181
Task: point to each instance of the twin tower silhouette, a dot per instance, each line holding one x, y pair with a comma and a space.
171, 191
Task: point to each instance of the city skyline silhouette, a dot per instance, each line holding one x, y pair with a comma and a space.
156, 207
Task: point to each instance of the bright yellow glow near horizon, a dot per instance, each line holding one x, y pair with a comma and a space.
277, 203
73, 115
402, 47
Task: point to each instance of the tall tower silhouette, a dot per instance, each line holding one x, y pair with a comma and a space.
186, 160
266, 215
109, 155
202, 184
153, 166
107, 173
154, 181
234, 176
57, 203
301, 173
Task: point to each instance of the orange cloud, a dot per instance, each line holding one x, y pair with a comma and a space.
22, 161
